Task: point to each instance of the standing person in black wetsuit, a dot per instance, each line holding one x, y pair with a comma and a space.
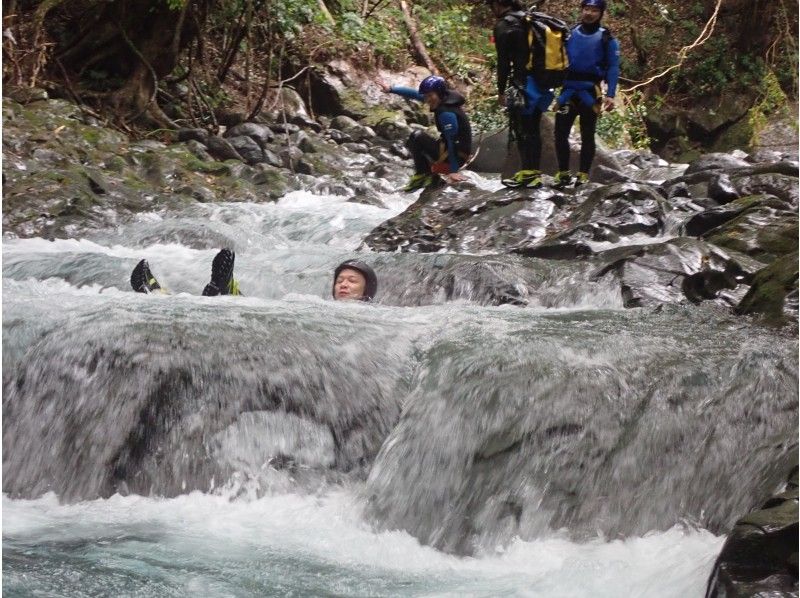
518, 90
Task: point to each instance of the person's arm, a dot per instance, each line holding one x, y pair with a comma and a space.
406, 92
449, 127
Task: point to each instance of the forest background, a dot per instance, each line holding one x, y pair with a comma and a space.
696, 74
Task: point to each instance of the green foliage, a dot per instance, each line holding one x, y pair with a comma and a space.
453, 41
715, 67
376, 34
771, 100
289, 16
486, 115
618, 9
625, 126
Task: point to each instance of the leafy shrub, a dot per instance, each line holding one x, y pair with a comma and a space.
625, 126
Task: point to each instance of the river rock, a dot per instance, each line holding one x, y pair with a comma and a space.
672, 272
199, 135
221, 149
715, 161
759, 557
259, 133
773, 293
247, 148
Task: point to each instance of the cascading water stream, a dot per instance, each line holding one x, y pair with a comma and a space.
283, 442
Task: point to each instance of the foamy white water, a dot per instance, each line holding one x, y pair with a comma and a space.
313, 545
298, 544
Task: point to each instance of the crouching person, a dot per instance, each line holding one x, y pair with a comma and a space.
443, 156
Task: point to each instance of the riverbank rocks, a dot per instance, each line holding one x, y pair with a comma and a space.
64, 175
698, 235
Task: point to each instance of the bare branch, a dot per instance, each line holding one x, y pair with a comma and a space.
705, 34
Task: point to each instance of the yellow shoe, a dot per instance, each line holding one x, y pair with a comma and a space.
581, 179
532, 179
562, 179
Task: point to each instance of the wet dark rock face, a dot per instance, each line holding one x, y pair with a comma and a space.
760, 555
703, 235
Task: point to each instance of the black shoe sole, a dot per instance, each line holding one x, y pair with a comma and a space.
140, 278
221, 273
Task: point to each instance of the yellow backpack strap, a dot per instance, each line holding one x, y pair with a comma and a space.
531, 45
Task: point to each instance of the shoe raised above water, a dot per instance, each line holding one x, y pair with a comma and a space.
142, 280
222, 281
530, 179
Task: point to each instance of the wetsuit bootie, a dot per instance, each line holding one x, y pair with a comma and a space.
222, 281
531, 179
142, 280
581, 179
418, 181
562, 179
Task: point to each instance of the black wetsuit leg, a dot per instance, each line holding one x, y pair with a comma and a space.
588, 128
565, 118
527, 132
424, 150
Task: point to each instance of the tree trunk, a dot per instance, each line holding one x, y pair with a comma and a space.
131, 45
416, 42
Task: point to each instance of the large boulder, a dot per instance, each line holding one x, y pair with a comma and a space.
495, 154
677, 271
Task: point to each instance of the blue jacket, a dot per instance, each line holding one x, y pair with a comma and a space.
593, 57
451, 122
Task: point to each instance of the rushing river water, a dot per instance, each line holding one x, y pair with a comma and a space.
631, 421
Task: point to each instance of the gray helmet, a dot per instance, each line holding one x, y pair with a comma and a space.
371, 286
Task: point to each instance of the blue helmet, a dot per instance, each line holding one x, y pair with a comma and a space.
601, 4
433, 83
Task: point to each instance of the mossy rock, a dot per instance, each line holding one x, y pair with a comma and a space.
353, 103
770, 287
737, 136
196, 165
761, 232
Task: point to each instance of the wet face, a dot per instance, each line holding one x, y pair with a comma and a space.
350, 284
433, 100
590, 15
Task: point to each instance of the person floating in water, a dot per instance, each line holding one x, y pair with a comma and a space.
443, 156
352, 279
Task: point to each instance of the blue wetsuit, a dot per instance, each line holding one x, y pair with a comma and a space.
455, 143
593, 57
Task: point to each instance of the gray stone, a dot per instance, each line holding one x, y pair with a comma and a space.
199, 135
259, 133
248, 149
356, 148
221, 149
272, 158
198, 150
290, 157
721, 189
716, 161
